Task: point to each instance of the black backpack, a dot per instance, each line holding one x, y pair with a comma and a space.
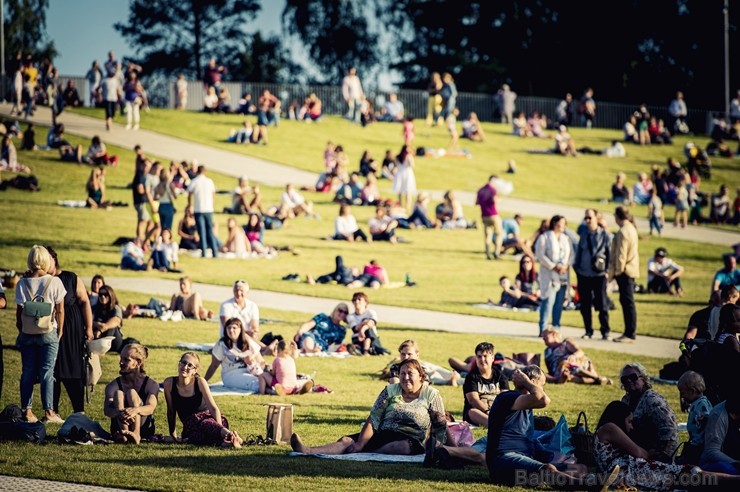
12, 427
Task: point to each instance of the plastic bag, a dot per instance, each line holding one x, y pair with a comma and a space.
459, 434
557, 441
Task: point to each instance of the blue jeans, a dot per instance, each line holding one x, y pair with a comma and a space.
552, 305
160, 260
166, 214
204, 221
38, 357
504, 467
655, 224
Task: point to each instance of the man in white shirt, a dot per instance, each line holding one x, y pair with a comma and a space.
352, 93
202, 195
293, 204
664, 274
240, 307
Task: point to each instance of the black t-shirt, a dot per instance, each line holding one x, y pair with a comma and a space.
139, 179
487, 389
700, 321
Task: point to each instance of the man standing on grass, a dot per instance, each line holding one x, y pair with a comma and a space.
131, 398
592, 259
624, 267
201, 198
352, 93
487, 199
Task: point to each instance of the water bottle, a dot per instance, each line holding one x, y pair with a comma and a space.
408, 278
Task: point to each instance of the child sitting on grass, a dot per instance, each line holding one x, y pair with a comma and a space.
284, 378
691, 387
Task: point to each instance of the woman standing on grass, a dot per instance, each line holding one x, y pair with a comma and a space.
189, 397
39, 350
404, 181
70, 365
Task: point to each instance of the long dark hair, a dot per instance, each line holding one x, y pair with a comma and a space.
524, 275
616, 413
242, 342
108, 309
257, 227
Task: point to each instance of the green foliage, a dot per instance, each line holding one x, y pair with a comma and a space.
336, 35
25, 29
174, 36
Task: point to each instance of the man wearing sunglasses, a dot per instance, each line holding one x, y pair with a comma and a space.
592, 258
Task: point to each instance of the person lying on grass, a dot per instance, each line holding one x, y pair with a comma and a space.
189, 397
403, 415
131, 398
566, 362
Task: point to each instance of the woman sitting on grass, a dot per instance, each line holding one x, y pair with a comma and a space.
568, 363
188, 231
346, 228
97, 154
401, 419
254, 230
323, 331
614, 445
108, 317
189, 397
96, 190
236, 243
242, 365
284, 374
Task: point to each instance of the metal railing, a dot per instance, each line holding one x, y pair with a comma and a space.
608, 115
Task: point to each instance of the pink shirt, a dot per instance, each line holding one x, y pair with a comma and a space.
485, 200
284, 372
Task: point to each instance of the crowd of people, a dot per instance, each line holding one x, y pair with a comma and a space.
636, 434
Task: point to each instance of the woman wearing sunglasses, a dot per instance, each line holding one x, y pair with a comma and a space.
653, 418
189, 398
108, 317
322, 331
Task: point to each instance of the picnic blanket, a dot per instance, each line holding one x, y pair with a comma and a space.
72, 203
201, 347
385, 458
498, 307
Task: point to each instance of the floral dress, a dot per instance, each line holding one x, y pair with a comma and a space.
655, 422
638, 472
414, 419
325, 333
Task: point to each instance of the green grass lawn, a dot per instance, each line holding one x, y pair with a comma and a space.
448, 265
318, 418
452, 259
583, 181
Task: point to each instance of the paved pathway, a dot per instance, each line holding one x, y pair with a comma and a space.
273, 174
16, 484
417, 318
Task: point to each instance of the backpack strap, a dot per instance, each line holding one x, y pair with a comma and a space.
46, 287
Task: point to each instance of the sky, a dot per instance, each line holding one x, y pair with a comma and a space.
82, 30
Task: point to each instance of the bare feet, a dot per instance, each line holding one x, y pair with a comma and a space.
310, 280
233, 440
453, 378
279, 390
120, 438
131, 437
297, 445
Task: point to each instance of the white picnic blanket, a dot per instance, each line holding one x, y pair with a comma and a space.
385, 458
497, 307
201, 347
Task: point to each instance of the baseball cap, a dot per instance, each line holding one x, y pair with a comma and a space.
661, 252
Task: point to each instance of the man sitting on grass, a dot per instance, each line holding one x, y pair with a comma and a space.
131, 398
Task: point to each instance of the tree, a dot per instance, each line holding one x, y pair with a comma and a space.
336, 35
265, 60
180, 35
25, 30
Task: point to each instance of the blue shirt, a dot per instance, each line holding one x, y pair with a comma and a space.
509, 430
727, 278
511, 227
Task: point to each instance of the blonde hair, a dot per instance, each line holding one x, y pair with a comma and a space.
550, 330
409, 344
692, 381
137, 352
39, 259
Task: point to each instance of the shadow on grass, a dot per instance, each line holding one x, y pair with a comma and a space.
261, 466
663, 299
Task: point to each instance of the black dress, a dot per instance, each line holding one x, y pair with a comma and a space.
70, 358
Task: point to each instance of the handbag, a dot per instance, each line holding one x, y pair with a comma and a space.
459, 434
583, 441
36, 314
598, 261
279, 422
557, 441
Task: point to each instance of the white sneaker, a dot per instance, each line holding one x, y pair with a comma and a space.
128, 127
136, 127
176, 316
167, 315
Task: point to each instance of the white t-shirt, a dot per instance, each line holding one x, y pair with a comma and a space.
110, 89
345, 225
354, 319
230, 309
28, 288
232, 359
377, 225
237, 194
202, 188
292, 199
666, 268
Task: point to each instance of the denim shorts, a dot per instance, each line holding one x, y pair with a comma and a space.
506, 465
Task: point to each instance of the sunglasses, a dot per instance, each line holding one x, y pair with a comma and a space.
630, 378
343, 311
187, 365
587, 218
103, 294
